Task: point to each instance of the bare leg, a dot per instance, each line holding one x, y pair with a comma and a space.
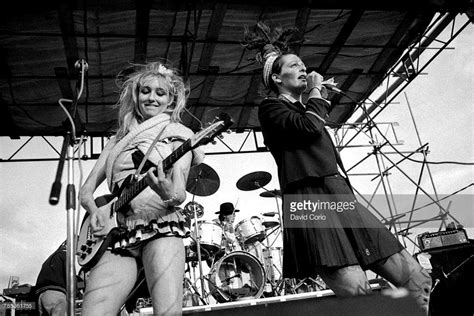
163, 260
403, 270
53, 302
109, 284
347, 281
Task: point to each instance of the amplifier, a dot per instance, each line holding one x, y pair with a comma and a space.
18, 290
442, 239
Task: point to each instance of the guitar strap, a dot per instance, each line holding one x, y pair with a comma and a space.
148, 152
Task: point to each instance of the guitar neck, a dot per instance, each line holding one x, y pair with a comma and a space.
134, 189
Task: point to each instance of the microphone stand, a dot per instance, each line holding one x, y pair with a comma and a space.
71, 242
67, 153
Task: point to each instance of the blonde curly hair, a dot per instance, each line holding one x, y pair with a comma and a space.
130, 81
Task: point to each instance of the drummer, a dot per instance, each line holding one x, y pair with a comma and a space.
226, 221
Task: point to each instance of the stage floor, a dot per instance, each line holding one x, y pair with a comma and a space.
322, 302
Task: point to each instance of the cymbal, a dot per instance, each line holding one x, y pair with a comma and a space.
254, 180
269, 213
271, 193
202, 180
270, 224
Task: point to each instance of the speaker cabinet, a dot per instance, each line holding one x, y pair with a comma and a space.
453, 280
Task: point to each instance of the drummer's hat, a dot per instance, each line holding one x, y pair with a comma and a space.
227, 208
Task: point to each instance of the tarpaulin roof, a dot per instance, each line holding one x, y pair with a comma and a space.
41, 41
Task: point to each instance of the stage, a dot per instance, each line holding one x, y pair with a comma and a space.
312, 303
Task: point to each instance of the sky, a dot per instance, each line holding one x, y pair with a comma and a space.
442, 103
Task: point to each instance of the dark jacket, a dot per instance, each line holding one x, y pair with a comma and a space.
53, 272
297, 139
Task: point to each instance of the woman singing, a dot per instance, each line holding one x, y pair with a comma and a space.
337, 245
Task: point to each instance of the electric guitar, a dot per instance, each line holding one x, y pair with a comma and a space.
89, 247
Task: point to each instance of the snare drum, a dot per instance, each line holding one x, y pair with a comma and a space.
211, 237
238, 275
250, 230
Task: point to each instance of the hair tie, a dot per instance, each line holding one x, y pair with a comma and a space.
267, 67
162, 69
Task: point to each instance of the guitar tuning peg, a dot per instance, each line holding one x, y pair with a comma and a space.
228, 131
220, 136
213, 142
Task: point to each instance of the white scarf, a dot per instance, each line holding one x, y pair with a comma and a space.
154, 126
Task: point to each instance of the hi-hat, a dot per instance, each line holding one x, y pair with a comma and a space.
202, 180
254, 180
269, 214
271, 193
270, 224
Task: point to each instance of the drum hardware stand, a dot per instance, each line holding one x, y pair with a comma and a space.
284, 284
275, 284
193, 289
225, 294
300, 284
279, 213
198, 252
198, 244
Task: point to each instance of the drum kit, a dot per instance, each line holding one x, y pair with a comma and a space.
236, 273
249, 271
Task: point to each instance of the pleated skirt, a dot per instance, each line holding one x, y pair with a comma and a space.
330, 238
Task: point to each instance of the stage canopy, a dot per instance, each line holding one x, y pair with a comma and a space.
41, 41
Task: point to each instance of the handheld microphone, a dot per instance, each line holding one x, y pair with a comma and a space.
332, 87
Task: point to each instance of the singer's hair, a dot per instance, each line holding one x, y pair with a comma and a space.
131, 79
267, 40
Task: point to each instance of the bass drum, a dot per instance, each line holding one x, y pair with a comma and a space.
236, 276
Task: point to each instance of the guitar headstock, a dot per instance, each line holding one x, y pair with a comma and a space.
222, 122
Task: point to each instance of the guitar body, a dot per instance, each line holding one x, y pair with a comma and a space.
90, 248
